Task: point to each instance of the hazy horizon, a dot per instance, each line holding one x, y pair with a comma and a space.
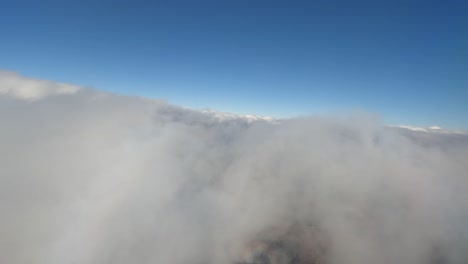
405, 60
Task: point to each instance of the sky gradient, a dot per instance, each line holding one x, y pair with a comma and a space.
405, 61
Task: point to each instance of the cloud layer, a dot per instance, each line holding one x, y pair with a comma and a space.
91, 177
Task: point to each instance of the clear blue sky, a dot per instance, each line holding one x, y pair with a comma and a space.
407, 60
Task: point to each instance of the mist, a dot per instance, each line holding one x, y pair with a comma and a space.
92, 177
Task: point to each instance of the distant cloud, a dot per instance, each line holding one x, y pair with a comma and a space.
92, 177
17, 86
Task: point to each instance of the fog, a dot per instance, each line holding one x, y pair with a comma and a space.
92, 177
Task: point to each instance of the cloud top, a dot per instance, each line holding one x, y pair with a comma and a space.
92, 177
14, 85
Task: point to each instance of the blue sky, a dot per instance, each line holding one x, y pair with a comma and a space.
406, 60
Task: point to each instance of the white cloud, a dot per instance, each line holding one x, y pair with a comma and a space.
432, 129
17, 86
98, 178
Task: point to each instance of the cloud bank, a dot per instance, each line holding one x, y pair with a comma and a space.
92, 177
